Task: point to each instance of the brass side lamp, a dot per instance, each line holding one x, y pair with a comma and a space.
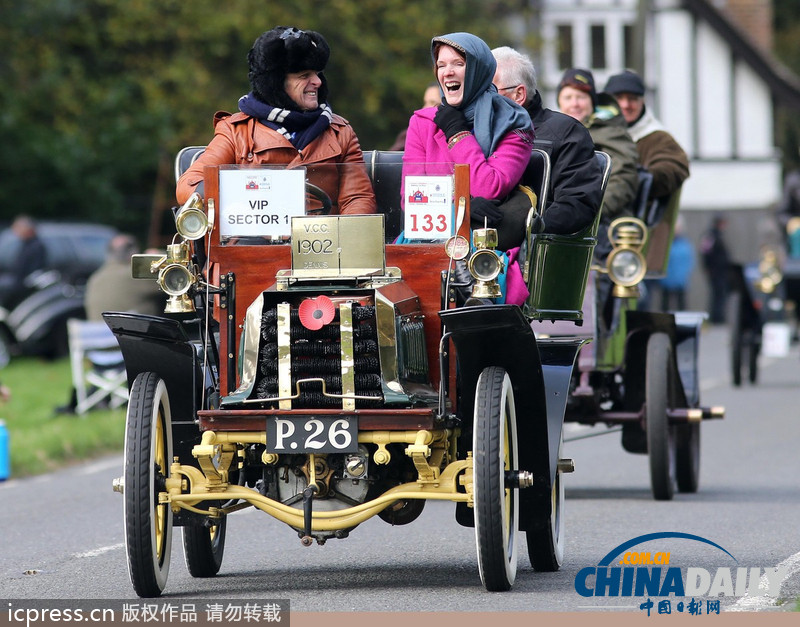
626, 265
485, 265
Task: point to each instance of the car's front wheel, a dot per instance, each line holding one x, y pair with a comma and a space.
494, 447
148, 454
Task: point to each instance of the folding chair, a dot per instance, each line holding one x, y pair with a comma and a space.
98, 369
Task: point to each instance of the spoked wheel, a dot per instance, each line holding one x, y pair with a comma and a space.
148, 454
494, 446
203, 548
660, 435
687, 456
546, 545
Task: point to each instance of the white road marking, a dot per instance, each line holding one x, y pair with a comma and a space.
749, 603
100, 466
100, 550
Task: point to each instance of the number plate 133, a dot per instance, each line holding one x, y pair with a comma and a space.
428, 207
303, 434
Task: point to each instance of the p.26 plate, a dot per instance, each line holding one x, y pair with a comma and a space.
309, 434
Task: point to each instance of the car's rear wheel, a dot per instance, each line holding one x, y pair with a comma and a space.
148, 454
660, 435
687, 457
203, 547
546, 544
494, 447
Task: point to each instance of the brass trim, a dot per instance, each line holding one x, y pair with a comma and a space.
348, 355
387, 341
285, 356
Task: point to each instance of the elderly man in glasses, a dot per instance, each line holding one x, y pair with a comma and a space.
574, 196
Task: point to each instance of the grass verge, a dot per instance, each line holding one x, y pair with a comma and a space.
42, 440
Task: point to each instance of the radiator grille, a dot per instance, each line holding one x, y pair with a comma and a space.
317, 354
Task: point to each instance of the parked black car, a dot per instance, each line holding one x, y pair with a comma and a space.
34, 321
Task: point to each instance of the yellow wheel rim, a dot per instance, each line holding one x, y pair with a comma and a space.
160, 511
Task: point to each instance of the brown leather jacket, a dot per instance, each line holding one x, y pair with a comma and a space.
240, 139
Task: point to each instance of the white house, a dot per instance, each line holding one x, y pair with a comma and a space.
711, 80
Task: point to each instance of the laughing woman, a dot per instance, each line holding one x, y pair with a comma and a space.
474, 125
286, 119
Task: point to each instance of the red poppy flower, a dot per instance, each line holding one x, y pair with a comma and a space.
315, 313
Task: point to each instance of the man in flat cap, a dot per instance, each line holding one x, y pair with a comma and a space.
658, 151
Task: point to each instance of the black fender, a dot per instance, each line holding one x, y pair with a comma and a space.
164, 346
683, 329
540, 372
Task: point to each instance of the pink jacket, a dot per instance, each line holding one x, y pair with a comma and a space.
494, 177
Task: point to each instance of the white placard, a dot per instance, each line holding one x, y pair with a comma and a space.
260, 201
428, 207
776, 338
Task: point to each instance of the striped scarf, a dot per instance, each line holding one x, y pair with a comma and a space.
299, 127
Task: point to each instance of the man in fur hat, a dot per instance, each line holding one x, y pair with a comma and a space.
286, 120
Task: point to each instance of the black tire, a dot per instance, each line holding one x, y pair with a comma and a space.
494, 446
735, 323
148, 454
660, 435
546, 545
204, 547
687, 457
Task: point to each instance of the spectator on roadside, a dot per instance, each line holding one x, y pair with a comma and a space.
600, 114
715, 262
30, 257
679, 270
788, 212
659, 153
574, 196
111, 287
432, 97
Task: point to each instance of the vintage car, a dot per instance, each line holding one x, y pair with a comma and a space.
757, 302
638, 374
310, 369
33, 319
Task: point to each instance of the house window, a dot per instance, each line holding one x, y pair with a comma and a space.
598, 35
630, 45
564, 51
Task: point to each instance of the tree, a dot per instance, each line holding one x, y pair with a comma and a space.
98, 95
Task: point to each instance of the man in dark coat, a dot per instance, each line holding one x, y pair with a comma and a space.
575, 179
30, 256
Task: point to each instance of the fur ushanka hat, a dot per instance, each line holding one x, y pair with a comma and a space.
283, 50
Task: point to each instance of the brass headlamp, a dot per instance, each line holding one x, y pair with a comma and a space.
175, 279
191, 221
173, 275
485, 265
626, 265
174, 272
